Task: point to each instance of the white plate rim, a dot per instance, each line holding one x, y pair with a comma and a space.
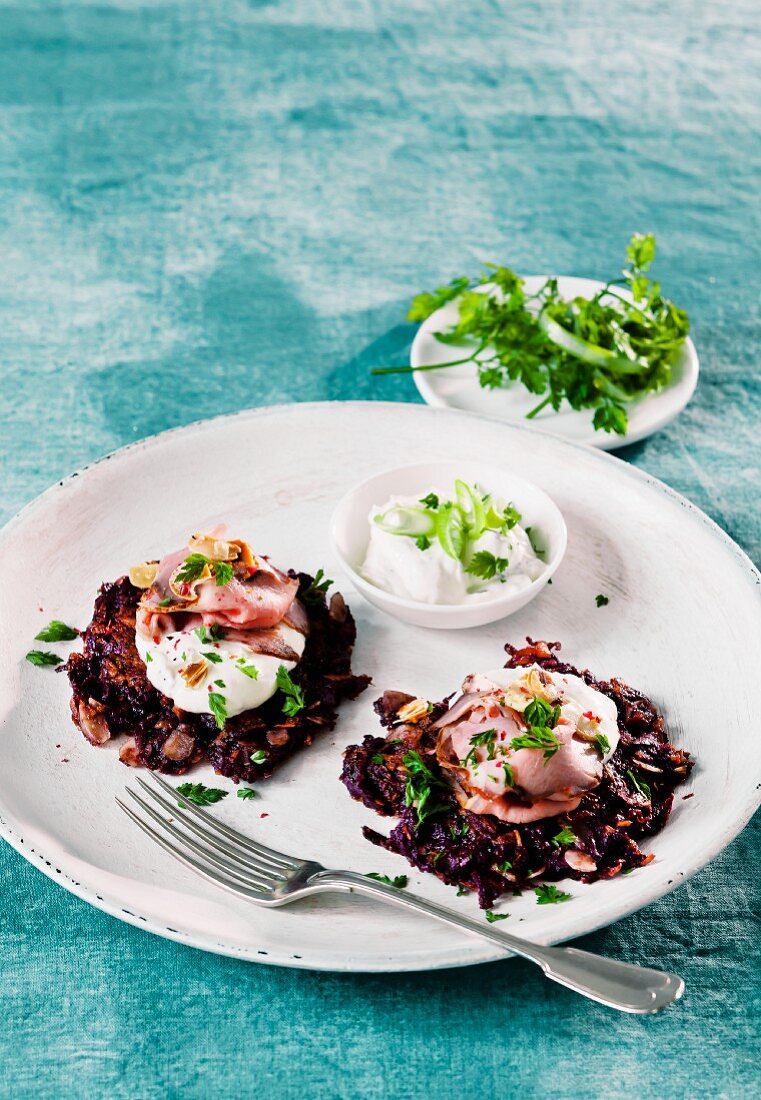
655, 891
604, 441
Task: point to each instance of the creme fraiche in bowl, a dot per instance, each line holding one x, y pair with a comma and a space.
448, 544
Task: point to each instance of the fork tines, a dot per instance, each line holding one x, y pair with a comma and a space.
209, 847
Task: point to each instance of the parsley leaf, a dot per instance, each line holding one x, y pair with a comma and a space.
601, 600
258, 757
193, 566
505, 866
316, 588
537, 737
535, 545
377, 758
398, 883
41, 658
56, 631
208, 634
420, 787
430, 501
294, 701
491, 916
487, 739
218, 707
165, 602
210, 655
539, 713
511, 517
603, 743
640, 786
200, 795
564, 838
422, 542
486, 566
247, 793
540, 718
550, 895
248, 670
509, 777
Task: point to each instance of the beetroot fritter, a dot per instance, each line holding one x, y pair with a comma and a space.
112, 696
481, 853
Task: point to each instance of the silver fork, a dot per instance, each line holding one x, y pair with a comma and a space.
266, 877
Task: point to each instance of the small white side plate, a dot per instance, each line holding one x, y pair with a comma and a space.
458, 388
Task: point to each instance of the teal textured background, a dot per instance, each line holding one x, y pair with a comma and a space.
211, 205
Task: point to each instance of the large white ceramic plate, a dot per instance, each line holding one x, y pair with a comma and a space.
683, 624
458, 388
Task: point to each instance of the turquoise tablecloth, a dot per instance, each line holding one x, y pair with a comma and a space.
206, 206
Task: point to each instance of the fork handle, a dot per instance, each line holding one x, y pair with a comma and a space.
620, 985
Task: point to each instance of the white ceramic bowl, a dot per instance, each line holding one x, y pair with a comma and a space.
350, 534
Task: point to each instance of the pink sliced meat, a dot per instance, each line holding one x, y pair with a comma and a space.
534, 786
258, 596
520, 813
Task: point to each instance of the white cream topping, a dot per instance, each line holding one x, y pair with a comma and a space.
588, 710
178, 650
396, 564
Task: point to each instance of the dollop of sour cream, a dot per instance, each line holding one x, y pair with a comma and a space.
396, 563
584, 707
225, 662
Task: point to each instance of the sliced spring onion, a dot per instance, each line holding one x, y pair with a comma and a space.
472, 507
450, 530
588, 353
404, 519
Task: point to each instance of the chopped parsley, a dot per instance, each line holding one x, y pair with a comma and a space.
208, 634
601, 600
485, 739
461, 892
640, 786
491, 916
422, 542
218, 707
564, 838
193, 566
42, 658
294, 701
430, 501
248, 670
377, 758
602, 743
317, 587
210, 655
247, 793
505, 866
486, 566
535, 544
165, 602
550, 895
56, 631
509, 777
540, 718
200, 795
420, 787
540, 713
398, 883
258, 757
148, 657
511, 517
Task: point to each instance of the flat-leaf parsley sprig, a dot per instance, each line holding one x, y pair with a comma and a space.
594, 353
